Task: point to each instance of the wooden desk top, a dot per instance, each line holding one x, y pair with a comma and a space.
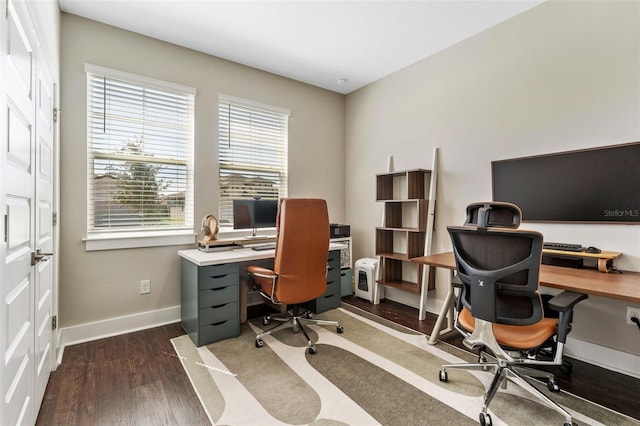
625, 286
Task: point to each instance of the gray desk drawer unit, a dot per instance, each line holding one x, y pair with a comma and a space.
210, 302
211, 298
332, 297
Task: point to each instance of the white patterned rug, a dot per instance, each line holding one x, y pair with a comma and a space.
375, 373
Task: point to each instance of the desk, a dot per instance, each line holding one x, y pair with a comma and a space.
214, 290
625, 286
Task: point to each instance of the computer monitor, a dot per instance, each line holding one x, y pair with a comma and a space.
254, 214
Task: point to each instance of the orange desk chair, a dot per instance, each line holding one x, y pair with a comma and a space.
499, 308
300, 266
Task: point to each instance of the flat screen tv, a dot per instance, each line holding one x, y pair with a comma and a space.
254, 214
599, 185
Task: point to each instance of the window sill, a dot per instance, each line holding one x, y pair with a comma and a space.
97, 242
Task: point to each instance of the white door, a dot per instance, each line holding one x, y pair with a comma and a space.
25, 193
43, 225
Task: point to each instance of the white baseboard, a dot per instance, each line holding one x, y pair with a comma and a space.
115, 326
604, 357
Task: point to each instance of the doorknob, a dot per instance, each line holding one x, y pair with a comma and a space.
39, 257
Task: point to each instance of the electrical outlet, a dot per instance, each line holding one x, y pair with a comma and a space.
145, 286
632, 312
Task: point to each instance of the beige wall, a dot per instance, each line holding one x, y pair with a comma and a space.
562, 76
105, 284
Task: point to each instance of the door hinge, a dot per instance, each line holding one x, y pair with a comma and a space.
6, 228
54, 218
54, 322
55, 115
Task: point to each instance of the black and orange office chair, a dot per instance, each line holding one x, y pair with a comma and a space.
300, 266
499, 308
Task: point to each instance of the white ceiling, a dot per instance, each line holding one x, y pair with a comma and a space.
314, 41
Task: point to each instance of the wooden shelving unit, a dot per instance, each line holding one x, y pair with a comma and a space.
404, 231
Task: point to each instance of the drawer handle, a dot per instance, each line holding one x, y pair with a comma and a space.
219, 323
218, 306
218, 288
215, 277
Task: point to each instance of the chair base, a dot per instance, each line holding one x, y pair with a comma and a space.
504, 371
295, 318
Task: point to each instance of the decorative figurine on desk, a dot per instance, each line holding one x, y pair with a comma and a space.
210, 229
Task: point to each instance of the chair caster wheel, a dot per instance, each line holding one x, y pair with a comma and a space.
259, 343
553, 386
266, 320
485, 419
566, 367
340, 329
311, 350
443, 376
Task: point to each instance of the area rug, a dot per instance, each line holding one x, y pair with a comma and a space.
375, 373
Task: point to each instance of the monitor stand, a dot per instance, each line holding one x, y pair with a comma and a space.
254, 235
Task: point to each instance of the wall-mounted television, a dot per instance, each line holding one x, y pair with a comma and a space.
254, 214
598, 185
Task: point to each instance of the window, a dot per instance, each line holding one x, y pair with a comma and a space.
252, 153
140, 156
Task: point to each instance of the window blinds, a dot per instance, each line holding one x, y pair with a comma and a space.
140, 153
252, 153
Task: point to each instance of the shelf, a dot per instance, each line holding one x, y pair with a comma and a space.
405, 230
604, 258
402, 285
601, 255
405, 185
408, 215
397, 256
408, 243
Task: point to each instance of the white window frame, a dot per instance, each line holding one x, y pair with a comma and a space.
282, 151
110, 240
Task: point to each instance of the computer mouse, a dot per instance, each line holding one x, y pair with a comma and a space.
592, 250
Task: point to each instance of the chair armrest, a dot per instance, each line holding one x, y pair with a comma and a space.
564, 303
259, 271
456, 282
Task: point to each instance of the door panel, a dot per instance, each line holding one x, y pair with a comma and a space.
18, 372
43, 352
18, 235
17, 283
19, 149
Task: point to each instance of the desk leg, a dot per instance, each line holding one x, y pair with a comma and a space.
446, 311
426, 271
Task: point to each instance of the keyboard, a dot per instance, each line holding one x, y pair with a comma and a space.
262, 247
562, 246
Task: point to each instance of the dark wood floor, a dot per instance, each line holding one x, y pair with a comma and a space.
132, 379
136, 378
